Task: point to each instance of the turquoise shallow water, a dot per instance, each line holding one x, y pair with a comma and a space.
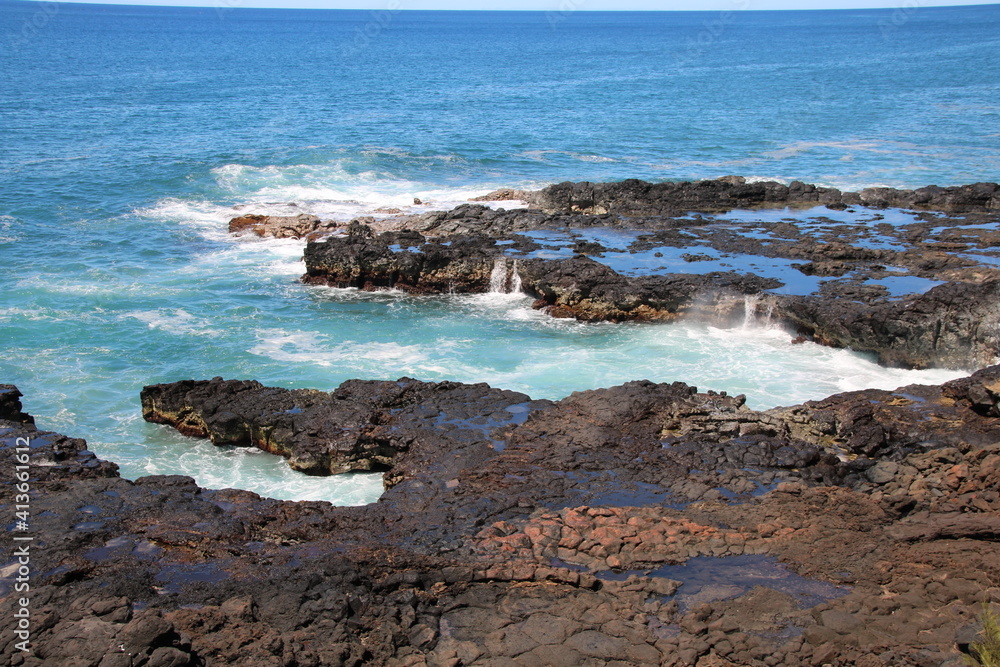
132, 135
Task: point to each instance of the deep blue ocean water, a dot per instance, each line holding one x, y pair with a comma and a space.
130, 135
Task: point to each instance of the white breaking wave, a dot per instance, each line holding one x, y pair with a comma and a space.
254, 470
752, 315
331, 191
326, 191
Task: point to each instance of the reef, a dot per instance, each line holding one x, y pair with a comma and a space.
632, 198
917, 287
644, 524
945, 314
639, 198
911, 276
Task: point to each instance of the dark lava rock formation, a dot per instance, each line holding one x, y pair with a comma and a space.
639, 198
953, 325
954, 322
635, 198
646, 524
361, 426
917, 288
577, 287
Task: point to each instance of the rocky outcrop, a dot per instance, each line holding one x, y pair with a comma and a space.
463, 264
642, 204
280, 227
361, 426
639, 198
952, 325
10, 404
505, 194
578, 287
919, 292
587, 290
648, 524
955, 324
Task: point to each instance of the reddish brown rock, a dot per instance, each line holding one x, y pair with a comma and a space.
867, 517
280, 227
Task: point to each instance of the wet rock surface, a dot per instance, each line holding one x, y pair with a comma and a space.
911, 276
363, 425
919, 291
644, 524
588, 204
280, 227
639, 198
10, 404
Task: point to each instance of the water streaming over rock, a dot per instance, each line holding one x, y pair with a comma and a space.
498, 277
750, 303
752, 315
504, 279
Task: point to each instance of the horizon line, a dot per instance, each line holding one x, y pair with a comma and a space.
740, 6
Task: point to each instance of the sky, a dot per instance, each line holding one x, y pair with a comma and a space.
562, 5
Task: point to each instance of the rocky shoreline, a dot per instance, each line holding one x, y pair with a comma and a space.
639, 199
917, 288
643, 524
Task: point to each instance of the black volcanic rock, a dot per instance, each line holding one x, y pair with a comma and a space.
463, 265
361, 426
584, 204
644, 524
577, 287
10, 405
585, 289
952, 325
638, 198
873, 286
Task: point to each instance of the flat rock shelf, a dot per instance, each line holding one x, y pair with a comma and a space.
643, 524
917, 287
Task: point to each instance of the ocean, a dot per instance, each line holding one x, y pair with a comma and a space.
129, 136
